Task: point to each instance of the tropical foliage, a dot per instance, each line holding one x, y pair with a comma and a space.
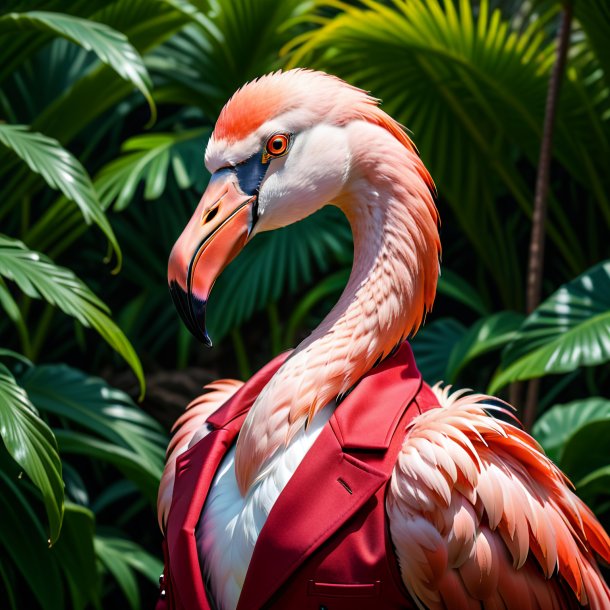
105, 110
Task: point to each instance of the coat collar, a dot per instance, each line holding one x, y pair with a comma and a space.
364, 422
368, 416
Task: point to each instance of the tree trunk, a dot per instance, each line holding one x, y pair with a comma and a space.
536, 251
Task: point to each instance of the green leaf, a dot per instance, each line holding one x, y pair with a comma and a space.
487, 334
38, 277
121, 558
24, 541
8, 303
75, 554
93, 405
145, 476
471, 85
31, 443
556, 426
587, 449
61, 171
450, 284
595, 486
110, 46
594, 16
147, 159
569, 330
433, 345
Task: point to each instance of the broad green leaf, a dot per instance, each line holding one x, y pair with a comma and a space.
450, 284
93, 405
433, 345
569, 330
75, 554
122, 558
39, 277
24, 541
487, 334
110, 46
32, 445
60, 170
145, 476
557, 425
587, 449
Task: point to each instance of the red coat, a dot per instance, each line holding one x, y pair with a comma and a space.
325, 544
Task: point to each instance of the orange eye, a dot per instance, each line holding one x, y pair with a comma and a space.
277, 145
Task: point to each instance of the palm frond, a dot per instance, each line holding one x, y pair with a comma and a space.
60, 170
38, 277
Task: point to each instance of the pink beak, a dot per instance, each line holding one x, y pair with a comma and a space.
213, 237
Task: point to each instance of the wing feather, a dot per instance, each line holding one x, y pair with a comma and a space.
188, 429
481, 518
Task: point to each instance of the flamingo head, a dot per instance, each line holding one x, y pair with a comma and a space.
279, 152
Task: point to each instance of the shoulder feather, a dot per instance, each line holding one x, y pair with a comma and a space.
189, 428
481, 518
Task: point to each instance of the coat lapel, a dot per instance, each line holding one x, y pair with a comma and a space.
331, 484
195, 470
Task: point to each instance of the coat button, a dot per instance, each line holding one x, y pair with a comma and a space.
162, 594
162, 579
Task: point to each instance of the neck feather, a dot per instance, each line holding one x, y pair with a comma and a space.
391, 287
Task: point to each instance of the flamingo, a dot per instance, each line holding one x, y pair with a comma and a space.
478, 516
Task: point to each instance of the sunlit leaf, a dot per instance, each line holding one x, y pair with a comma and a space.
471, 87
39, 277
148, 159
569, 330
60, 170
110, 46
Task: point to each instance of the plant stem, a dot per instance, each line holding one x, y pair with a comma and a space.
536, 251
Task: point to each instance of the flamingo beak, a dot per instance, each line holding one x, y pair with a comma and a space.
213, 237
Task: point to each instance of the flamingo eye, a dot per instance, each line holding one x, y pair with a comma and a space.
277, 145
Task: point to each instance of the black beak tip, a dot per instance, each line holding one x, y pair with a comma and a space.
192, 312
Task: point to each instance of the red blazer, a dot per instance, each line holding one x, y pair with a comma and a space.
325, 544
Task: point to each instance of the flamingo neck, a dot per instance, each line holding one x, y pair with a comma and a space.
390, 288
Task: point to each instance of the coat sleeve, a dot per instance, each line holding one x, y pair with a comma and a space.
481, 519
188, 429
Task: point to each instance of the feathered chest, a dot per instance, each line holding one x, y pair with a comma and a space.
230, 524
